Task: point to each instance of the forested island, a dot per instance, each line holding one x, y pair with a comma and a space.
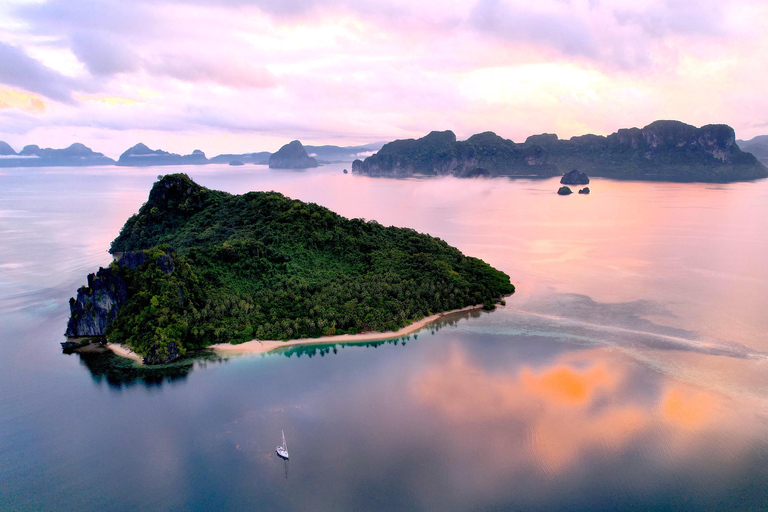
662, 151
197, 267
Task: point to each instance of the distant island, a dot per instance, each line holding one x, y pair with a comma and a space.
292, 156
662, 151
77, 155
196, 267
141, 156
439, 153
758, 146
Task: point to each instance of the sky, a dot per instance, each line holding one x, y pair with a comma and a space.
250, 75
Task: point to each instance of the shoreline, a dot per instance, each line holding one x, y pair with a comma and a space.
123, 351
264, 346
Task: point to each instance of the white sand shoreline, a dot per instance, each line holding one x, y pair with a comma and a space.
124, 351
264, 346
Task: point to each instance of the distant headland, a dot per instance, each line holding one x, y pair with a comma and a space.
662, 151
77, 155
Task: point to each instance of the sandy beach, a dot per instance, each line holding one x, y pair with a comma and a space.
123, 351
263, 346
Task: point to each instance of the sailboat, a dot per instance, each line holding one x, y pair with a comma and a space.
282, 450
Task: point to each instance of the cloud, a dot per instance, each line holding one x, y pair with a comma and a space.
17, 69
103, 54
612, 32
330, 69
559, 30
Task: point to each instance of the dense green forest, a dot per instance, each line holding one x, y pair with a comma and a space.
216, 267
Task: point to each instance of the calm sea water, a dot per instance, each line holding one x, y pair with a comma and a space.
627, 373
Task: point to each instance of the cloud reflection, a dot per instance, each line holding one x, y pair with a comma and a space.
553, 418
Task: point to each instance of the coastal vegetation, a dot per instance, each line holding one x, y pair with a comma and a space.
203, 267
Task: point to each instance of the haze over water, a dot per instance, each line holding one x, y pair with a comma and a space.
627, 372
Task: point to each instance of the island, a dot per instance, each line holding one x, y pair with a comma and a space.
440, 154
564, 191
662, 151
758, 146
574, 178
261, 158
142, 156
292, 156
76, 155
197, 267
584, 190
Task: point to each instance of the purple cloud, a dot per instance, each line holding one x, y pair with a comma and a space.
20, 70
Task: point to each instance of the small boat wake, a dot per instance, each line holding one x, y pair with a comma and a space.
652, 340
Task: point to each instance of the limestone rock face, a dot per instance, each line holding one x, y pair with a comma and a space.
292, 156
97, 304
574, 177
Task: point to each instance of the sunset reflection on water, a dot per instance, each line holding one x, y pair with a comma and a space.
554, 417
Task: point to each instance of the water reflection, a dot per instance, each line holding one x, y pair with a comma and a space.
323, 349
580, 408
119, 372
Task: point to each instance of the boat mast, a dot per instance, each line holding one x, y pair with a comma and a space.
285, 445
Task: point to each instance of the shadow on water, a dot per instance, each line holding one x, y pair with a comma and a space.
119, 372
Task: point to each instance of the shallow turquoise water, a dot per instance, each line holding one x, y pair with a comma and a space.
627, 373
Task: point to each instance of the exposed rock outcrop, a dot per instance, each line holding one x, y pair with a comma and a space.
584, 190
574, 177
97, 303
564, 191
292, 156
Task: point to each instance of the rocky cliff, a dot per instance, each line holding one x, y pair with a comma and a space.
97, 304
292, 156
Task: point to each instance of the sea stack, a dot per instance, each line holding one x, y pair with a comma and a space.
564, 191
292, 156
574, 178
